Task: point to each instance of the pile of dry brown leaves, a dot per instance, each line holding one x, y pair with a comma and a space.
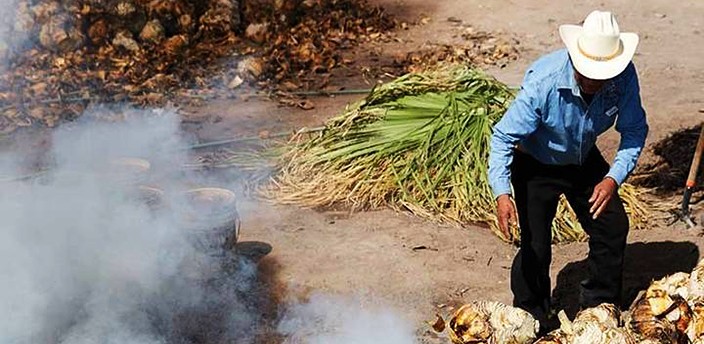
150, 52
485, 49
474, 47
667, 173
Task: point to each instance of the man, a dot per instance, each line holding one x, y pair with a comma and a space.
545, 146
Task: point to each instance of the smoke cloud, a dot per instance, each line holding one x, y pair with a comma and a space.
84, 259
15, 23
344, 320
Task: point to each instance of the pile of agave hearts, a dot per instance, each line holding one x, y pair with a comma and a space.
670, 311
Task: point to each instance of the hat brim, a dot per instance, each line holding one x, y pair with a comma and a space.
598, 70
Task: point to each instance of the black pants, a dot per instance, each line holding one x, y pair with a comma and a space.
537, 189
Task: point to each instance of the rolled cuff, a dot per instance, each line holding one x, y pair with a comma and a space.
500, 187
618, 175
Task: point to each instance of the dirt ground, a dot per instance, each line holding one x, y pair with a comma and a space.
417, 265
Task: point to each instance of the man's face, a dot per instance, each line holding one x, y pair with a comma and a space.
586, 85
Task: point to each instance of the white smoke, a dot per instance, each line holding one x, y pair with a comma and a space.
327, 319
84, 261
15, 24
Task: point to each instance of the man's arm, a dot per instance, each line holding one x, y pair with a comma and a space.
632, 125
521, 119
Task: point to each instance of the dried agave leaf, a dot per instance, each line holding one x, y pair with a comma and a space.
95, 47
38, 112
45, 10
439, 324
153, 32
606, 315
696, 281
24, 21
221, 17
124, 39
98, 31
251, 67
555, 337
677, 284
469, 325
597, 325
306, 104
175, 45
186, 23
7, 127
647, 317
11, 113
696, 326
54, 31
125, 8
257, 32
618, 336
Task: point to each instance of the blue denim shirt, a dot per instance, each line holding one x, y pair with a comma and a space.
551, 122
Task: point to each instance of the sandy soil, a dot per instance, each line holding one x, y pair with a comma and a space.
416, 265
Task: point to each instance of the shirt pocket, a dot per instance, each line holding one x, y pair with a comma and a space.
605, 120
606, 117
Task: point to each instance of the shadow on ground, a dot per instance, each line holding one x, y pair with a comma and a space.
645, 262
267, 292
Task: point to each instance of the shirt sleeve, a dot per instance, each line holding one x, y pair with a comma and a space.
521, 119
632, 125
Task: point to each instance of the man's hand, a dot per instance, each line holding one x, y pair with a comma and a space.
507, 215
602, 195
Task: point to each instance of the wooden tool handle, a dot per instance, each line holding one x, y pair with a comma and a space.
691, 179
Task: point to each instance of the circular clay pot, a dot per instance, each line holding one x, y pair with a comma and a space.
210, 218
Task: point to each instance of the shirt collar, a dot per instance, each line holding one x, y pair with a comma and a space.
566, 78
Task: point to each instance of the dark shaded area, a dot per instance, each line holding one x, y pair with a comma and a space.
271, 294
254, 250
668, 174
644, 263
267, 293
239, 300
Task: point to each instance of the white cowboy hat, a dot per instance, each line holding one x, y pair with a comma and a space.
598, 49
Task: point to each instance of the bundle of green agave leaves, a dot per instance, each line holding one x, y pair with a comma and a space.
419, 143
